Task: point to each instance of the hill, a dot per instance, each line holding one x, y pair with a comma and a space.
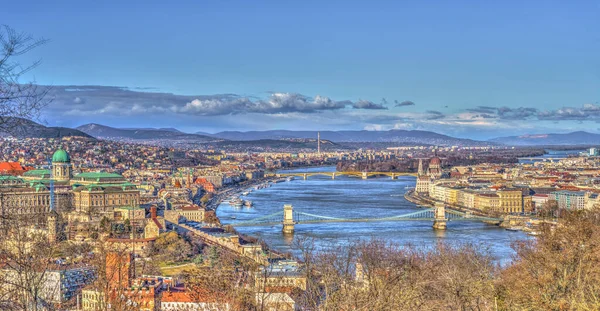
574, 138
107, 132
23, 128
391, 136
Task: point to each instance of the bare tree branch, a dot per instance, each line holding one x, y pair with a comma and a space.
18, 100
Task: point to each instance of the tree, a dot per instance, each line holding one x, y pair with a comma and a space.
170, 247
559, 270
127, 225
26, 257
225, 281
105, 224
18, 100
549, 209
375, 275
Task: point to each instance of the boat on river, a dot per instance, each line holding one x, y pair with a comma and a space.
236, 202
248, 203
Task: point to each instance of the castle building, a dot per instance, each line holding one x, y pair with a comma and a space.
61, 166
85, 197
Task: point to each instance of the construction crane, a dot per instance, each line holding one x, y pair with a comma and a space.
52, 203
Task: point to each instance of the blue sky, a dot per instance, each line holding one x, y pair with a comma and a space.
472, 68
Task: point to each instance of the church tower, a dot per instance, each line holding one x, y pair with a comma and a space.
61, 166
52, 223
421, 171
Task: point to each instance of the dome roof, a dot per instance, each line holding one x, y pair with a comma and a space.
61, 156
435, 161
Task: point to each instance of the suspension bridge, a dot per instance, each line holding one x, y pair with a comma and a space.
440, 215
333, 175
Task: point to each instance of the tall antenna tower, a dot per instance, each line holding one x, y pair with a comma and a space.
319, 143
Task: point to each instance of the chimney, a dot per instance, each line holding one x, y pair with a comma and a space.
153, 211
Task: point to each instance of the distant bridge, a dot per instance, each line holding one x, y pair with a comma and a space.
542, 159
439, 215
363, 175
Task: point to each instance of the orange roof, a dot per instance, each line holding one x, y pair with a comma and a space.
176, 296
12, 167
183, 295
190, 208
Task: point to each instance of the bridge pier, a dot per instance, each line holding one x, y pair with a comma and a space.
364, 175
305, 176
440, 220
393, 176
333, 175
288, 219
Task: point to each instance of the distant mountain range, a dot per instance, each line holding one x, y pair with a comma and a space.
574, 138
391, 136
107, 132
23, 128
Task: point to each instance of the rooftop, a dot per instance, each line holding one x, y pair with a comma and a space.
61, 156
37, 173
98, 175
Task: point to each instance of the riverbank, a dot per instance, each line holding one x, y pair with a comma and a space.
235, 190
509, 222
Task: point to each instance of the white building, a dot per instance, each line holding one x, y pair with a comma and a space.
572, 200
423, 183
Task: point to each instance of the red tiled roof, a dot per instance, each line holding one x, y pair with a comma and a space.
190, 208
176, 296
183, 295
13, 167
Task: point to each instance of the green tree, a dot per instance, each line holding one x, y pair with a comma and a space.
170, 247
127, 225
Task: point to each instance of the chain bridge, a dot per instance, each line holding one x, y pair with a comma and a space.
363, 175
439, 215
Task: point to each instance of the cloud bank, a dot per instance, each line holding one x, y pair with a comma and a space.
74, 105
108, 99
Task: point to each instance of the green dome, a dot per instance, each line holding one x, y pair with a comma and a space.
61, 156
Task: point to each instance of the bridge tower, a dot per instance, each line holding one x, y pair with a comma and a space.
288, 219
440, 220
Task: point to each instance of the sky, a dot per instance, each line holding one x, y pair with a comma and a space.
475, 69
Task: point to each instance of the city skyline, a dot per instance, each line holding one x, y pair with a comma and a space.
464, 69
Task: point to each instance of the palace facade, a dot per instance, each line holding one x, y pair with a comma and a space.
84, 197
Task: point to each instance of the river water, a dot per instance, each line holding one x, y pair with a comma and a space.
554, 154
349, 197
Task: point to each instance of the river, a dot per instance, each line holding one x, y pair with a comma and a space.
348, 197
554, 154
